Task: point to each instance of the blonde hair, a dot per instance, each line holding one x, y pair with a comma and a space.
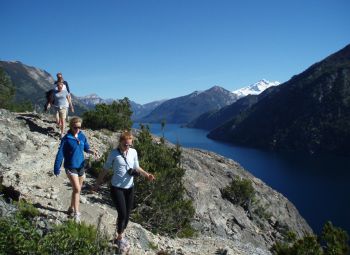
75, 120
125, 135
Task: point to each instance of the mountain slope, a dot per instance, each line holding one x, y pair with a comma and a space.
310, 112
142, 110
186, 108
31, 83
216, 118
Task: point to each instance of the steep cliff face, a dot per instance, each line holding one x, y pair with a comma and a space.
28, 145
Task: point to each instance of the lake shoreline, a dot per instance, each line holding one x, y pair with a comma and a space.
315, 183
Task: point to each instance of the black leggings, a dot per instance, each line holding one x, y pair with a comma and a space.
123, 200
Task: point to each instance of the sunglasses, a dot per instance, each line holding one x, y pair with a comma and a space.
76, 127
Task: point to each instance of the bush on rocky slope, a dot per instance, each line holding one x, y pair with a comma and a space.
19, 234
115, 116
161, 206
332, 241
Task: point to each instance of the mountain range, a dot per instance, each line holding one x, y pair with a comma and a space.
186, 108
310, 112
31, 83
248, 96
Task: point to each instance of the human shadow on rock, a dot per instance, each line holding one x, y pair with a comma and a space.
33, 127
40, 206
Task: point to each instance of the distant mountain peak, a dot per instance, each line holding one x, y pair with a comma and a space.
93, 95
255, 88
216, 88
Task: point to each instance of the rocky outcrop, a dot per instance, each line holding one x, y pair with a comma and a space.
28, 145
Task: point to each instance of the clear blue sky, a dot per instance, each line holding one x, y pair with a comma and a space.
155, 49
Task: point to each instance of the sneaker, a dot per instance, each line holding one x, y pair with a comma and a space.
123, 245
77, 217
70, 212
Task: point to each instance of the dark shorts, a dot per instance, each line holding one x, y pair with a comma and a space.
75, 171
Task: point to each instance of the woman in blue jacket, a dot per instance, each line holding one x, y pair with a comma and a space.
72, 148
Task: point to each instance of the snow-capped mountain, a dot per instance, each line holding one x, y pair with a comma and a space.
93, 99
256, 88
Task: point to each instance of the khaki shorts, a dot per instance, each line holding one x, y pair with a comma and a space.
62, 113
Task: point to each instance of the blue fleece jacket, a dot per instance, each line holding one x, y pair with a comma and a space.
72, 151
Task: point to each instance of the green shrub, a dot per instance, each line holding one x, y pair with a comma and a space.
7, 90
306, 246
335, 240
18, 236
27, 210
239, 192
73, 238
7, 94
115, 116
161, 207
261, 212
332, 241
96, 166
25, 106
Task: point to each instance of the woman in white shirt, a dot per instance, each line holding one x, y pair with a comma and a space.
125, 165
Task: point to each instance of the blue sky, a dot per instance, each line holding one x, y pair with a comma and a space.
154, 49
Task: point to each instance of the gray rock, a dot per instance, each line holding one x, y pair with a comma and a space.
6, 209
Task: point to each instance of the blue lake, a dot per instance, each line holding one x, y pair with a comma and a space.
318, 185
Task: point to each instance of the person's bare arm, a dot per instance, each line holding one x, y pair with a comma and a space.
147, 175
70, 103
99, 180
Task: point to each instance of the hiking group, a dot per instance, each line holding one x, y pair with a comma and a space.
59, 97
123, 161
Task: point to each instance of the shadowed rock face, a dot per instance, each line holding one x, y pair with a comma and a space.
28, 145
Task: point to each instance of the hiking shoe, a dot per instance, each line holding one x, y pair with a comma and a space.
123, 245
77, 217
70, 212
